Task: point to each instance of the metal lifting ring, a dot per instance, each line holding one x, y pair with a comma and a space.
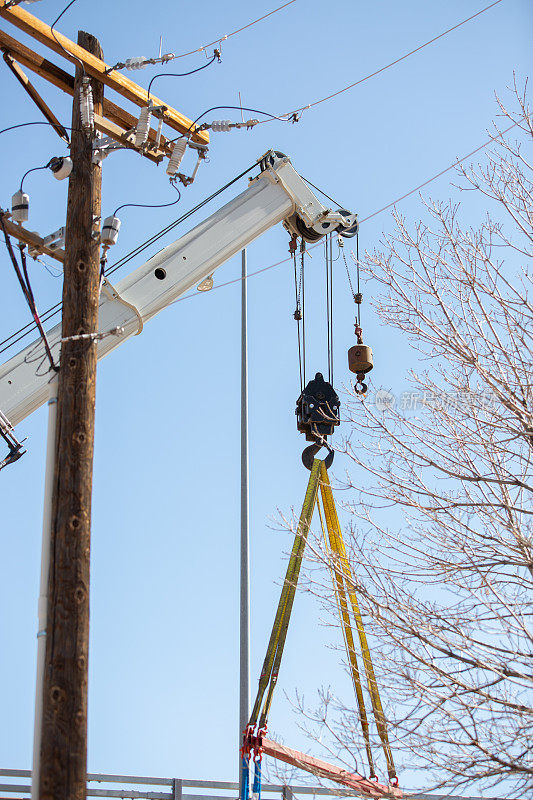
310, 452
360, 388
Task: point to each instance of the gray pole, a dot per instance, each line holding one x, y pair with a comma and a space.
244, 639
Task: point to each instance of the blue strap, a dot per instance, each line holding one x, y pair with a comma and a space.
256, 789
245, 778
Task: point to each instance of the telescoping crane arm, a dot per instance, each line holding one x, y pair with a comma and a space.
277, 194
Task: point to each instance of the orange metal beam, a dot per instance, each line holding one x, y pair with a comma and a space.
324, 770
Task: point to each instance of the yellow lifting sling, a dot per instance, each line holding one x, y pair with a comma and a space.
344, 590
344, 585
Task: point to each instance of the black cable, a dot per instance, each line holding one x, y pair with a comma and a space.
178, 74
51, 312
328, 321
225, 108
298, 317
331, 303
33, 169
26, 288
140, 248
151, 205
358, 280
24, 124
52, 26
321, 192
302, 284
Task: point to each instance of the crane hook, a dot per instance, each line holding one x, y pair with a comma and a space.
310, 452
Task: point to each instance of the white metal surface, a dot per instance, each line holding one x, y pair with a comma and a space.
271, 197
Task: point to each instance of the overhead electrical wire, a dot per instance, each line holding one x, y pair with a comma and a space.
26, 330
179, 74
370, 216
225, 108
300, 109
33, 169
234, 33
52, 26
40, 122
172, 56
25, 285
151, 205
442, 172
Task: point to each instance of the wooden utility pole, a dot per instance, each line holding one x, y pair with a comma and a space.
63, 757
60, 755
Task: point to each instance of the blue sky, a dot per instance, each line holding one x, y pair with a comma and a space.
164, 604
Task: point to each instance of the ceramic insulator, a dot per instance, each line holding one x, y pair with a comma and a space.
20, 206
110, 230
137, 62
177, 156
86, 105
143, 126
221, 125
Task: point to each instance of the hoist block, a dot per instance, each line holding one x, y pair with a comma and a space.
317, 409
360, 359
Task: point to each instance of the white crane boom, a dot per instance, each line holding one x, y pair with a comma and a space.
277, 193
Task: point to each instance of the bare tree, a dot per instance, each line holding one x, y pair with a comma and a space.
447, 589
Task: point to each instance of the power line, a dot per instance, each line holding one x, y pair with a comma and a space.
442, 172
179, 74
387, 66
51, 312
26, 330
151, 205
235, 108
370, 216
25, 124
52, 26
234, 33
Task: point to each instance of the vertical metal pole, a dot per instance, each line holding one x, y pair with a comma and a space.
43, 591
244, 639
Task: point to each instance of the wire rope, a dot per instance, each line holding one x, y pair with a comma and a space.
322, 192
302, 285
298, 318
328, 321
330, 268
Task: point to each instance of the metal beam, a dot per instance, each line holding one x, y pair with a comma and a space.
331, 772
